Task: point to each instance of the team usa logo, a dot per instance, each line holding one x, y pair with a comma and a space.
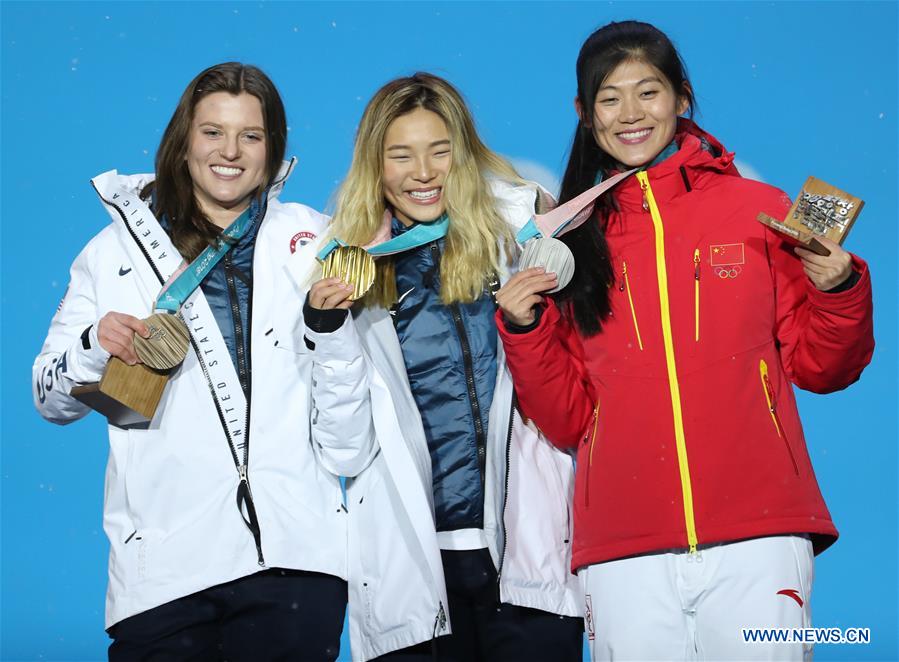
301, 238
727, 260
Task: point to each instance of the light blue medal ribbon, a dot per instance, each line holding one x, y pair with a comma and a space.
419, 235
182, 284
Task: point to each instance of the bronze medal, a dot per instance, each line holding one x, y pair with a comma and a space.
167, 345
552, 255
352, 264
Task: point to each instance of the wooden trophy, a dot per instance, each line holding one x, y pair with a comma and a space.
129, 394
820, 210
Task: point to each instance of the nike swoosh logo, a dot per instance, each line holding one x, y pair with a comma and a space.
123, 271
405, 294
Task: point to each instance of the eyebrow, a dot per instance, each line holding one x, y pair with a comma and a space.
246, 128
436, 143
651, 79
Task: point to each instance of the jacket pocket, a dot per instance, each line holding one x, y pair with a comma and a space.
625, 286
590, 441
696, 273
771, 400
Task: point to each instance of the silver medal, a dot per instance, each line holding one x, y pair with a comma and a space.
552, 255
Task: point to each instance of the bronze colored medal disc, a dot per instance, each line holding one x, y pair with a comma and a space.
354, 265
167, 345
552, 255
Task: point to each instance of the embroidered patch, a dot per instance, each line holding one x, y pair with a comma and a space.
725, 255
588, 617
727, 260
301, 238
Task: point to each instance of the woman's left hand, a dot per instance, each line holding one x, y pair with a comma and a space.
826, 272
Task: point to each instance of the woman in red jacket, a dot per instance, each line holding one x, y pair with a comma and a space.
667, 365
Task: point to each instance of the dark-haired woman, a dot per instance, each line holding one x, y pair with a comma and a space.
668, 363
226, 525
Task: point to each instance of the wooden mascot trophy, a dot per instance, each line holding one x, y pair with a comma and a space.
820, 210
129, 394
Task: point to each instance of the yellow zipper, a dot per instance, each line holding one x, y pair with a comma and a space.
595, 426
627, 286
772, 409
769, 396
696, 280
668, 337
590, 453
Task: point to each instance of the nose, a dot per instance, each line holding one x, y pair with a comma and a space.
230, 150
424, 170
631, 110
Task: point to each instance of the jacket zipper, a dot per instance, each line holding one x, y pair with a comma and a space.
772, 409
590, 454
673, 385
626, 286
502, 558
480, 438
241, 468
244, 492
696, 289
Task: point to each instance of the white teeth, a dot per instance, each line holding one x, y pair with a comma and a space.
226, 171
633, 135
425, 195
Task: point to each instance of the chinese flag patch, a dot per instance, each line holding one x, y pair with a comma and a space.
725, 255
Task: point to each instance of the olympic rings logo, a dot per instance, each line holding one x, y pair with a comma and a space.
728, 272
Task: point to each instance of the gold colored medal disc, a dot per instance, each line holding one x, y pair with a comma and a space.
167, 345
352, 264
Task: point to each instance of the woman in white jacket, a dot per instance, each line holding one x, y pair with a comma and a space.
226, 524
497, 493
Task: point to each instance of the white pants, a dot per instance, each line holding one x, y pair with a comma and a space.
682, 606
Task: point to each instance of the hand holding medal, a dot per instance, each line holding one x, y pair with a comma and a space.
546, 264
355, 265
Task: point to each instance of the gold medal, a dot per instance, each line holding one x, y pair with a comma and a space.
352, 264
167, 345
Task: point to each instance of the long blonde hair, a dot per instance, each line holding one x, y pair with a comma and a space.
476, 230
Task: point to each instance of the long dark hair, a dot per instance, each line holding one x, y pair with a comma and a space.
605, 49
173, 191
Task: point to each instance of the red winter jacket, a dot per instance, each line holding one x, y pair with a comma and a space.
681, 408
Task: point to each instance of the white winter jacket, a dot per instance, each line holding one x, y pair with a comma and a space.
170, 498
397, 596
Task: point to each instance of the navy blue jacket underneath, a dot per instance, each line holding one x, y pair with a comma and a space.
229, 290
433, 353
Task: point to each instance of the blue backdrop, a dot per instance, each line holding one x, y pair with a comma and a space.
795, 89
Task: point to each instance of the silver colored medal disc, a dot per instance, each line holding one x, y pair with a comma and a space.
552, 255
167, 345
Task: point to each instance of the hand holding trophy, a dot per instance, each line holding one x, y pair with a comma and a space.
820, 210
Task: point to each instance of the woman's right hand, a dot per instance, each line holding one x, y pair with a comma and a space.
115, 331
518, 297
329, 293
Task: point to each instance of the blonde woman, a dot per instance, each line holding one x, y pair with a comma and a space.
475, 480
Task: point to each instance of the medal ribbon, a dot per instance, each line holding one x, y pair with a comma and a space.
189, 276
569, 216
382, 244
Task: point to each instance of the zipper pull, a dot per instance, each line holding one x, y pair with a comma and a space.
643, 187
696, 264
242, 472
623, 275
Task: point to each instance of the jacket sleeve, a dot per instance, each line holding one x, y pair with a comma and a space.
343, 433
71, 354
549, 376
826, 339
